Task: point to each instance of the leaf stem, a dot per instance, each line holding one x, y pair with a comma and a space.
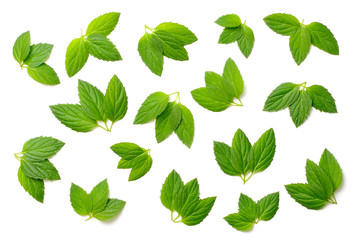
147, 29
248, 177
106, 129
237, 104
17, 156
177, 99
112, 123
90, 217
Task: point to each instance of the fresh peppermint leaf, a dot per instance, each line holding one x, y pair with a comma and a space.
300, 43
316, 176
246, 40
21, 47
152, 107
80, 200
229, 20
323, 38
200, 212
268, 206
322, 99
214, 80
240, 149
141, 168
282, 97
172, 47
177, 31
222, 153
185, 130
41, 148
307, 195
74, 117
282, 23
113, 207
127, 150
99, 196
167, 121
232, 74
331, 167
170, 190
115, 101
39, 169
102, 48
91, 100
300, 109
239, 221
151, 53
248, 207
205, 99
103, 24
76, 56
38, 54
230, 35
35, 187
44, 74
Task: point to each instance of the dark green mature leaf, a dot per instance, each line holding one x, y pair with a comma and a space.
39, 169
229, 20
222, 153
103, 24
232, 74
185, 130
214, 80
248, 207
282, 96
331, 167
200, 212
115, 101
35, 187
170, 189
316, 176
282, 23
268, 206
322, 99
167, 121
22, 47
230, 35
240, 149
246, 40
211, 99
41, 148
177, 31
80, 200
151, 52
99, 196
300, 109
152, 107
172, 47
239, 221
307, 195
38, 54
300, 43
113, 207
44, 74
73, 116
102, 48
91, 100
76, 56
323, 38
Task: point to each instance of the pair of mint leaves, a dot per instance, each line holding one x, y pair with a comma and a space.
94, 106
94, 42
236, 31
322, 182
185, 200
33, 57
220, 91
134, 157
170, 117
300, 99
35, 166
167, 39
242, 159
97, 203
302, 36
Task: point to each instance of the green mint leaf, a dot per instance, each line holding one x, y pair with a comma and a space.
38, 54
331, 167
76, 56
230, 35
21, 47
214, 80
115, 101
282, 97
206, 98
102, 48
39, 169
300, 109
127, 150
152, 107
91, 100
323, 38
222, 153
316, 176
179, 32
229, 20
300, 43
113, 207
41, 148
322, 99
172, 47
262, 152
35, 187
151, 53
141, 168
200, 212
103, 24
247, 207
268, 206
73, 116
80, 200
185, 130
246, 40
167, 121
306, 195
239, 221
232, 74
44, 74
170, 190
282, 23
99, 196
240, 149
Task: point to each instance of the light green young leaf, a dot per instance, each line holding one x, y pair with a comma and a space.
307, 195
300, 43
172, 47
103, 24
240, 149
21, 47
91, 100
200, 212
323, 38
230, 35
282, 96
151, 53
167, 121
282, 23
300, 109
268, 206
186, 128
127, 150
44, 74
35, 187
113, 207
222, 153
99, 196
140, 169
247, 207
76, 56
206, 98
331, 167
39, 169
102, 48
232, 74
322, 99
80, 200
152, 107
316, 176
38, 54
170, 190
214, 80
239, 221
246, 40
229, 20
41, 148
177, 31
115, 101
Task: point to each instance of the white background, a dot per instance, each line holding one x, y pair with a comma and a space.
86, 159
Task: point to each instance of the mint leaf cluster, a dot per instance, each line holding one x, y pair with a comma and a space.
185, 200
300, 99
94, 107
242, 159
302, 36
94, 42
97, 203
322, 182
251, 212
220, 91
33, 58
170, 117
35, 166
236, 31
134, 157
167, 39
